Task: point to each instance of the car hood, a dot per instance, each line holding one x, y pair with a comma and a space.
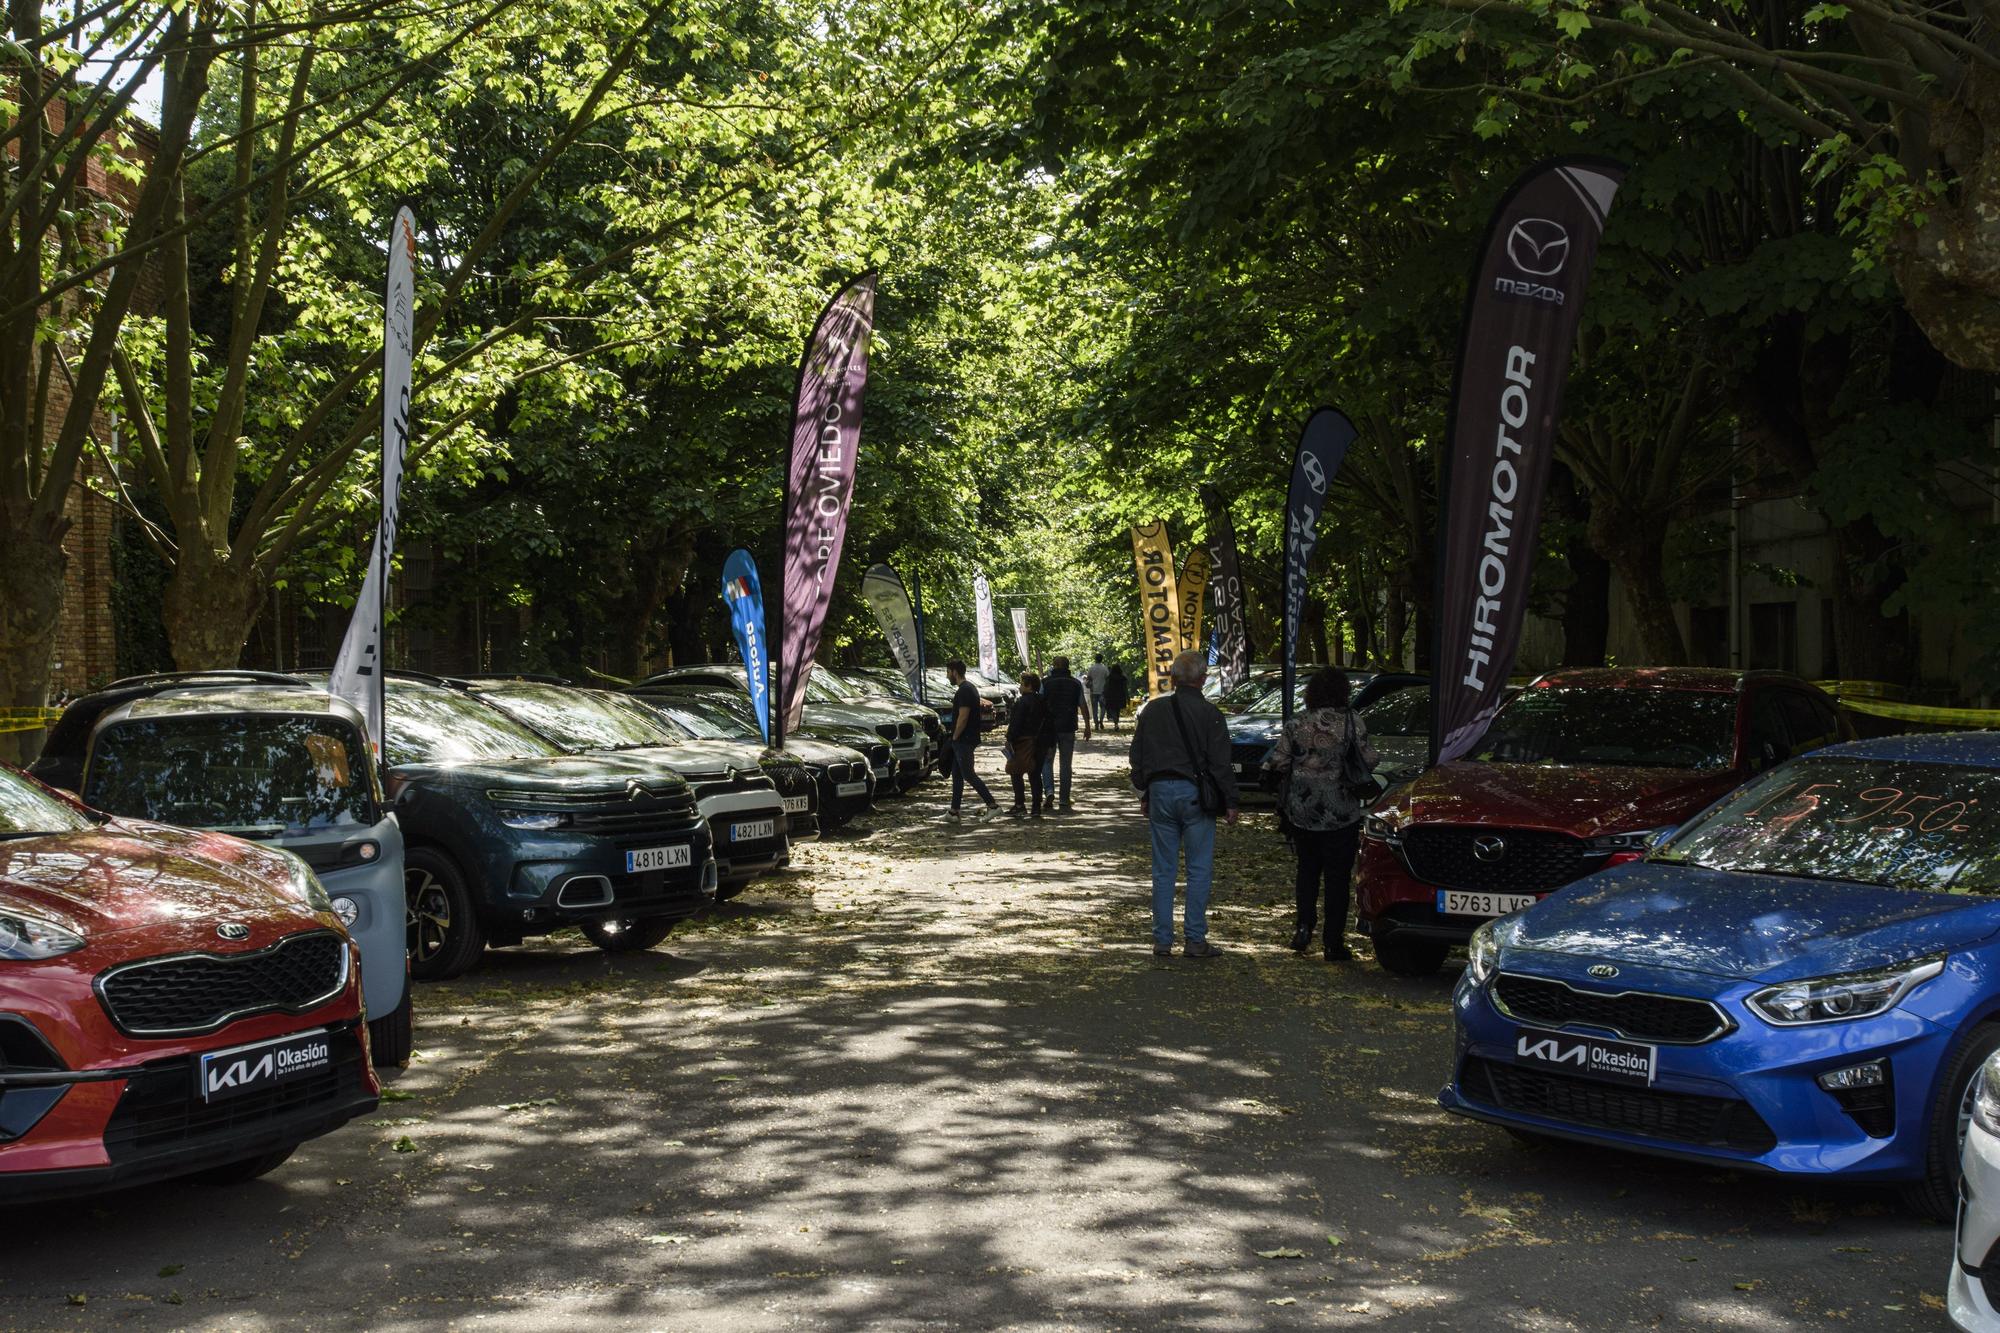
1581, 800
555, 773
131, 875
810, 751
1247, 728
1750, 927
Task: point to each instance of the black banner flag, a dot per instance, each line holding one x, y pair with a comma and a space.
1225, 588
1322, 447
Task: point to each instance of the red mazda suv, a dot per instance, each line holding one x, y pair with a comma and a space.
1583, 769
172, 1003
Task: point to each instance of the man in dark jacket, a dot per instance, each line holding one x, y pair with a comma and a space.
962, 734
1175, 739
1064, 695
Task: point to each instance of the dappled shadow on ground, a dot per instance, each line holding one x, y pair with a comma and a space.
936, 1079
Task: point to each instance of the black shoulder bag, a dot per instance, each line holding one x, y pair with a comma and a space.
1356, 778
1206, 790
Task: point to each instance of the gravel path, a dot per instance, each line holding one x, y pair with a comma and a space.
935, 1079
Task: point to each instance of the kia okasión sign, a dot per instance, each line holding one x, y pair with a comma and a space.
1159, 603
819, 481
1322, 447
1225, 590
882, 588
1520, 323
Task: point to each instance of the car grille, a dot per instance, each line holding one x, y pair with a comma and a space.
879, 755
1642, 1017
933, 727
791, 779
191, 993
897, 731
704, 788
1530, 861
1247, 756
1709, 1122
617, 813
160, 1107
674, 895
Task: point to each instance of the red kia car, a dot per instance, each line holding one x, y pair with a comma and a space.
1583, 769
172, 1003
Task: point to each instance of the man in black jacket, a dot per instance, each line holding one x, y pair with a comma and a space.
1179, 740
1064, 695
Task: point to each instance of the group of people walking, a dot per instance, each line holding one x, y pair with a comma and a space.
1041, 733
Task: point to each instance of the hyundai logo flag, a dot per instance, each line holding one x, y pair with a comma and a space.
1520, 323
1225, 590
882, 588
358, 668
744, 596
1322, 447
819, 480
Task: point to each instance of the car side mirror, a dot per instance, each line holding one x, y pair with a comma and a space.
1661, 837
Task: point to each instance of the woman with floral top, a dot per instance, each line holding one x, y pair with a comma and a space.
1314, 801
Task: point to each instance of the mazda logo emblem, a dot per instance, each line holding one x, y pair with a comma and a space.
1489, 848
1603, 971
1538, 247
233, 930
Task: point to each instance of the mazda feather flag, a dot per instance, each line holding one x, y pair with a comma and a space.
743, 594
882, 588
1021, 636
1322, 447
819, 480
989, 643
1159, 603
358, 669
1225, 590
1190, 584
1520, 323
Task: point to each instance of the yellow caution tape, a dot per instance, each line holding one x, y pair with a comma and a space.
1876, 699
1863, 689
27, 719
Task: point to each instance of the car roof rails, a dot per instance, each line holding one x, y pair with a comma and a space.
217, 676
517, 677
428, 678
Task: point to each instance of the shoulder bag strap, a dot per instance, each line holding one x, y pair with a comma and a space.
1195, 757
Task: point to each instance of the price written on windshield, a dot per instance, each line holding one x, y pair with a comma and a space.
1890, 807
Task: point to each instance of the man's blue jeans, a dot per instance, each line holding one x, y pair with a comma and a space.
1065, 745
1179, 825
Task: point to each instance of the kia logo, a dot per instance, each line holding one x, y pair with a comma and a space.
233, 930
1603, 971
1538, 247
1489, 848
1315, 474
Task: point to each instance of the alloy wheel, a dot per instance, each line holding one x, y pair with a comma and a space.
428, 909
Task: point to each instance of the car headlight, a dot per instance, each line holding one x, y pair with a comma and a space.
1484, 954
1986, 1096
539, 820
303, 883
1837, 999
1381, 830
24, 939
348, 910
1639, 840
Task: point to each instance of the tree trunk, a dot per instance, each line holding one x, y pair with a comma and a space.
1586, 618
1633, 544
31, 598
208, 610
1395, 627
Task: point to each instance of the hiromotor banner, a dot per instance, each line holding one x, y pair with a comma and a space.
358, 668
1322, 447
882, 588
1225, 590
1159, 603
1021, 636
1520, 323
989, 642
819, 480
743, 594
1190, 585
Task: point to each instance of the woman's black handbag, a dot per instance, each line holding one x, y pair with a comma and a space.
1356, 778
1207, 791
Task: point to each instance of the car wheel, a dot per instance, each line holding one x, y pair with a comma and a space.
445, 935
392, 1037
240, 1173
727, 889
623, 934
1936, 1195
1410, 957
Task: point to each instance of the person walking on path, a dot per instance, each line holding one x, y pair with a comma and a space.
1117, 691
964, 737
1064, 695
1315, 767
1027, 733
1093, 680
1180, 752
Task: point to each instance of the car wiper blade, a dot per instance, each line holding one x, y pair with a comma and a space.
256, 831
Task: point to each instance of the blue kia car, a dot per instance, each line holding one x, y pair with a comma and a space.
1804, 979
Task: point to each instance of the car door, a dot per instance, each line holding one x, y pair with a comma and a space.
1766, 739
1809, 727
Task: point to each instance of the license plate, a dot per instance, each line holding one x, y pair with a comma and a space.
240, 1069
1592, 1057
659, 858
752, 829
797, 805
1458, 902
852, 789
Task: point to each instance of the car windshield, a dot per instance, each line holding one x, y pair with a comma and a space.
1272, 700
1599, 725
1891, 822
706, 721
1407, 712
1246, 693
257, 774
26, 810
823, 687
582, 719
437, 726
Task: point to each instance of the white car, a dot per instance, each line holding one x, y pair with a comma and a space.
1975, 1259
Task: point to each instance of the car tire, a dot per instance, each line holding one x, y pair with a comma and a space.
727, 889
1935, 1195
625, 935
392, 1037
445, 936
1407, 957
247, 1170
